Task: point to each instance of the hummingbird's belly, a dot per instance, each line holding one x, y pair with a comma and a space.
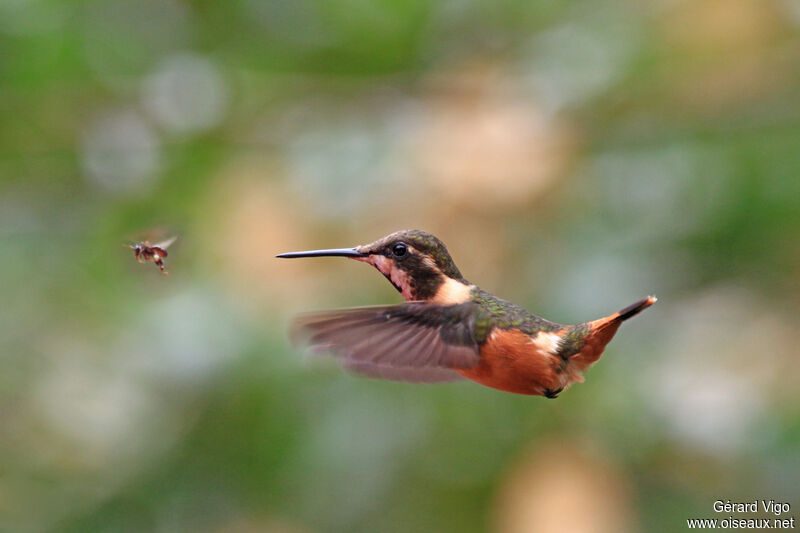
513, 361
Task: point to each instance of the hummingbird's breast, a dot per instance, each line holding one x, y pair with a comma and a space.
452, 292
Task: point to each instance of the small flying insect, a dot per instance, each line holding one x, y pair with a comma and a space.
144, 251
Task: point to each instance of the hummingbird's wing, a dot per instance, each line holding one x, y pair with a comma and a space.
403, 373
407, 342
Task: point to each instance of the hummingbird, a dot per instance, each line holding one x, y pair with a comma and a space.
450, 329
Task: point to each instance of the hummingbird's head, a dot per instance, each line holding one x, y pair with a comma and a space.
415, 262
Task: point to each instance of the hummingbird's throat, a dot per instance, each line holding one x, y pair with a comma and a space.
427, 283
401, 279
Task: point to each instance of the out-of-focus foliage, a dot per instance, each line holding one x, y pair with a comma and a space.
574, 155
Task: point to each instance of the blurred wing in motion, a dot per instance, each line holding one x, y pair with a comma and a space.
403, 373
408, 342
163, 245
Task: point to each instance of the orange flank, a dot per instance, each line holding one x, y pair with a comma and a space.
510, 361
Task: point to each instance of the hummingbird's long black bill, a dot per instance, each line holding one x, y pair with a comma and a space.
333, 252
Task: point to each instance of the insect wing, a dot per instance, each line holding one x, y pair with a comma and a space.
163, 245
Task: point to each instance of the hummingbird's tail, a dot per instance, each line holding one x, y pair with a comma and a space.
634, 309
610, 323
602, 330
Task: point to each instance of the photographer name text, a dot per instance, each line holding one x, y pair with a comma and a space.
777, 509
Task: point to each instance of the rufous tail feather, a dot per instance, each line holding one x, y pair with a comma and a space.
618, 318
603, 330
635, 309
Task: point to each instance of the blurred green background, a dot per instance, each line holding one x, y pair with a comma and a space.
574, 155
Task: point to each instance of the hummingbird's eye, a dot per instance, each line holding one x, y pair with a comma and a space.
399, 249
